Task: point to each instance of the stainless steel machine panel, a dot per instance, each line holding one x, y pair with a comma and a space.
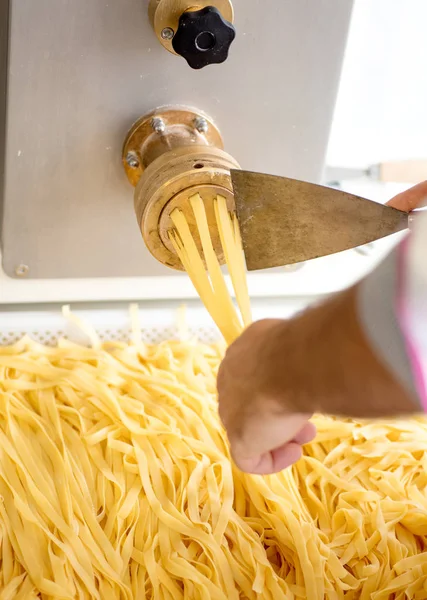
80, 72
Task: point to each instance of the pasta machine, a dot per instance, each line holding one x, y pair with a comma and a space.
175, 153
246, 84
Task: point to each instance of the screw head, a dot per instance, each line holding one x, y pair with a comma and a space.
158, 125
132, 160
22, 270
167, 33
201, 124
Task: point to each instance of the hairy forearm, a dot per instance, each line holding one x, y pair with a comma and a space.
326, 358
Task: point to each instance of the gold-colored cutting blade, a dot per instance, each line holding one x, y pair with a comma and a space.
284, 221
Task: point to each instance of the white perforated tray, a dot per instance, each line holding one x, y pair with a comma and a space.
157, 323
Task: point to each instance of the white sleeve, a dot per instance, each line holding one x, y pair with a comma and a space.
412, 301
392, 303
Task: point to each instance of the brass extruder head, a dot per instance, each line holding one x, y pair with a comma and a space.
170, 155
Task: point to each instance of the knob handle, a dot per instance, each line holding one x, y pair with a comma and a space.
203, 37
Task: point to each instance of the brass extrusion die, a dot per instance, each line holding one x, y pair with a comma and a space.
144, 144
208, 193
165, 14
169, 155
168, 182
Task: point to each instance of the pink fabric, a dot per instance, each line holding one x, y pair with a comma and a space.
405, 324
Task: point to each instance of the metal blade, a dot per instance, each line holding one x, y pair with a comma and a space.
284, 221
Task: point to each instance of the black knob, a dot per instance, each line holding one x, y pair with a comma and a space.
203, 37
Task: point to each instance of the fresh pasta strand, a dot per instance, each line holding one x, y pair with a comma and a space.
232, 246
193, 264
211, 285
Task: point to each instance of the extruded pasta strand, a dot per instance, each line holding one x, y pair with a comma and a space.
233, 257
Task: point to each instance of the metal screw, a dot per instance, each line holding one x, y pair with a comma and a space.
201, 124
22, 270
132, 160
167, 33
158, 125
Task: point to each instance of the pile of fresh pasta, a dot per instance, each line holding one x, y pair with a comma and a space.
116, 480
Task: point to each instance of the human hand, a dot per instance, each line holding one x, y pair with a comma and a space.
266, 435
279, 372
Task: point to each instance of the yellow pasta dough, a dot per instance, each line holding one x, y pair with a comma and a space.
116, 481
210, 284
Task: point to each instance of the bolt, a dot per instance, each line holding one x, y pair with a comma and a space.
167, 33
201, 124
132, 160
158, 125
22, 270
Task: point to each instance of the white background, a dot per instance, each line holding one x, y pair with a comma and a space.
381, 110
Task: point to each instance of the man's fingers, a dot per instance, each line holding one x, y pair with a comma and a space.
262, 430
285, 456
306, 435
270, 462
273, 460
413, 198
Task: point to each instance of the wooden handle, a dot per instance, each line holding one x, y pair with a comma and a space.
405, 171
